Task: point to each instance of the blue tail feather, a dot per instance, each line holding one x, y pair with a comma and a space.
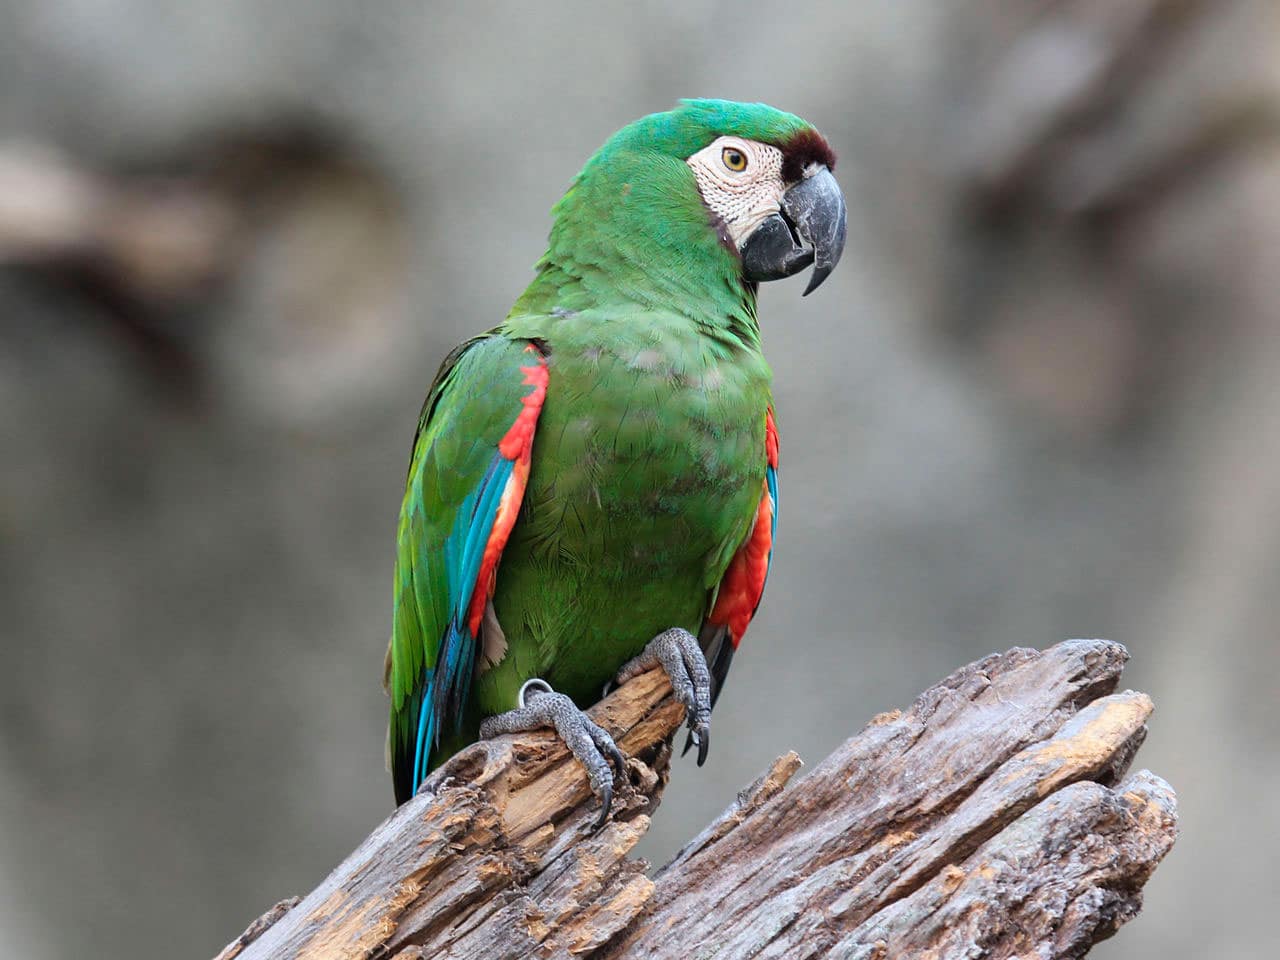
426, 724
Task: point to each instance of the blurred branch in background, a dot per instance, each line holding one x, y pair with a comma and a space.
138, 249
159, 240
289, 239
1092, 160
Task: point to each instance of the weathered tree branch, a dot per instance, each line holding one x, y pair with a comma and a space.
991, 818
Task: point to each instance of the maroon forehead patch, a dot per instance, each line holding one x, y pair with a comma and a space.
806, 147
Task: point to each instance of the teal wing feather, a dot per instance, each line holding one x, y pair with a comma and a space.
466, 479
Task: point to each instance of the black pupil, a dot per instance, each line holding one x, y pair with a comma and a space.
735, 158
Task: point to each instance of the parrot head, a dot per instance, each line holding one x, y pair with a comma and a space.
722, 191
777, 202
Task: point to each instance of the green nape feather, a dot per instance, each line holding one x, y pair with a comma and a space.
648, 462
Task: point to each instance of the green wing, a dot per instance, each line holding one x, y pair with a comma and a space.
466, 480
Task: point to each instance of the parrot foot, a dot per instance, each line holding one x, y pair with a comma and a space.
540, 706
678, 653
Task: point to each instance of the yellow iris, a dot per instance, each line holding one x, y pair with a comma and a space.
734, 159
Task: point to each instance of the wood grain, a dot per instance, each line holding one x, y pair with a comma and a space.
992, 817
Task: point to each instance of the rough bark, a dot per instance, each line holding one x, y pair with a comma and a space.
993, 818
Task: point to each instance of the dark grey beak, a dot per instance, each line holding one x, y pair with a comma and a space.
810, 228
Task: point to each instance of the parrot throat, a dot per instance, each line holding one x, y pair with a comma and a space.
629, 236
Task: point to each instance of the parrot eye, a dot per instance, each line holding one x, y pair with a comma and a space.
734, 159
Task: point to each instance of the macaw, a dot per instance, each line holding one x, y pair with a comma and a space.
593, 482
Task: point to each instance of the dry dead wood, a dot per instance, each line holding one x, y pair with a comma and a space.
992, 818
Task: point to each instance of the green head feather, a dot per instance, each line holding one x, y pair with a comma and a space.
632, 227
695, 123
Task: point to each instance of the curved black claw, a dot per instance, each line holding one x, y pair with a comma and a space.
679, 654
592, 745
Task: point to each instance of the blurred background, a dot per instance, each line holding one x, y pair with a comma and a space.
236, 239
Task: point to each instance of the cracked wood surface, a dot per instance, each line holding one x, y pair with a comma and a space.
991, 818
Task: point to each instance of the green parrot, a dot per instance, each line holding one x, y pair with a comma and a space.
592, 488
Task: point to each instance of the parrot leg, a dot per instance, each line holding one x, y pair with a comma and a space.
678, 653
540, 706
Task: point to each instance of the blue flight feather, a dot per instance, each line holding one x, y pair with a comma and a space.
449, 683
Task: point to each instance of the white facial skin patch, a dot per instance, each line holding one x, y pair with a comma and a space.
741, 198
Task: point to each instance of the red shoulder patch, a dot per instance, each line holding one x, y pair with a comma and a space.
517, 445
518, 441
743, 583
